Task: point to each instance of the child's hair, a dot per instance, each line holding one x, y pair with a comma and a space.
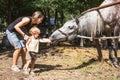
34, 30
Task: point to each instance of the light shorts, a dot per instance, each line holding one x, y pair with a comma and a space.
15, 40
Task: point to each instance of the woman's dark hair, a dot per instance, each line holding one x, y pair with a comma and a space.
37, 14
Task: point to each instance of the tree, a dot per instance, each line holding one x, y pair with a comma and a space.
58, 9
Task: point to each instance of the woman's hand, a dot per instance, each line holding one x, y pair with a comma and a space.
26, 37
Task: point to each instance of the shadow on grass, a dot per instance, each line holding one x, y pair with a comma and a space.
44, 67
84, 64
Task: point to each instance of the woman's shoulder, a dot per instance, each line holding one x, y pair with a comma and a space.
26, 18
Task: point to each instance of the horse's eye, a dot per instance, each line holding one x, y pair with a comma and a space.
71, 27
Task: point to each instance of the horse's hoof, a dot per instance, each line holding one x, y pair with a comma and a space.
109, 61
116, 65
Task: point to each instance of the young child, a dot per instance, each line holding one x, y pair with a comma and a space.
32, 48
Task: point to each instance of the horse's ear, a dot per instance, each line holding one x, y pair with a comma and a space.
76, 20
72, 17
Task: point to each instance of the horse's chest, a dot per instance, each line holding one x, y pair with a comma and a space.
108, 29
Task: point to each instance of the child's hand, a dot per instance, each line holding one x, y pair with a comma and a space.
49, 41
45, 40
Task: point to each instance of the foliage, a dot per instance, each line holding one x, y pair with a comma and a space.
11, 9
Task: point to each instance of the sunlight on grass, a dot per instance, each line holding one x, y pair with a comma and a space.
108, 78
2, 67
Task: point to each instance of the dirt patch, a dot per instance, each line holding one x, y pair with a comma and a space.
63, 63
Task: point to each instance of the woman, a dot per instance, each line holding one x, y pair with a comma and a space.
17, 35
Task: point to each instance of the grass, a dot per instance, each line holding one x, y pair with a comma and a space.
77, 64
2, 67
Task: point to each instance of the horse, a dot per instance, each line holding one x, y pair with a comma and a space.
94, 24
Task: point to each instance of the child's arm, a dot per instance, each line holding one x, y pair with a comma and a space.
27, 43
45, 40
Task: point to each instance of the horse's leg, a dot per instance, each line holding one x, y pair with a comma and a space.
109, 42
100, 57
115, 46
105, 46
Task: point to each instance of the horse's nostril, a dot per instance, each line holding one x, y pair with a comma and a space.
53, 36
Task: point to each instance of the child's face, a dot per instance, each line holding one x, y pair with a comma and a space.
36, 35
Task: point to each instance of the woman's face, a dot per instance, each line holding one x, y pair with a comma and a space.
39, 20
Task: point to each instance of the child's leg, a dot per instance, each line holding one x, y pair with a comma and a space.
33, 58
32, 67
28, 58
32, 64
26, 66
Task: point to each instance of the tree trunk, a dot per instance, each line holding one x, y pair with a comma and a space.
9, 11
48, 19
56, 19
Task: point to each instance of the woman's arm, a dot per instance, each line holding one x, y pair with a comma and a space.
22, 23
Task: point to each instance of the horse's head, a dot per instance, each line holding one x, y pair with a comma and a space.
67, 32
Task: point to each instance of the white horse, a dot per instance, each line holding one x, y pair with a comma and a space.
97, 23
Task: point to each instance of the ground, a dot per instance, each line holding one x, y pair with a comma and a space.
63, 63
